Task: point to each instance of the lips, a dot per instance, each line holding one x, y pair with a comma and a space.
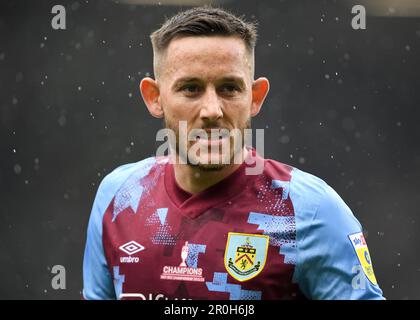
214, 136
211, 142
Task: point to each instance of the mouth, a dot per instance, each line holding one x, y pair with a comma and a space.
214, 137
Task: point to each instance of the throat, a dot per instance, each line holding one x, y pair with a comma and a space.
195, 180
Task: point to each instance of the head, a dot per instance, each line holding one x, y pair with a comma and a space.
203, 61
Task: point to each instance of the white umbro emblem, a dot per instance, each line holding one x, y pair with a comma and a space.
131, 247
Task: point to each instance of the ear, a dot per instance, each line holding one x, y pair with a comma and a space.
260, 88
149, 90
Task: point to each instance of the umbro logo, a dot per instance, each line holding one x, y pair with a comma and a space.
130, 248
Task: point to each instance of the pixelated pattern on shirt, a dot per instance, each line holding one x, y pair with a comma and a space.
118, 281
220, 284
194, 251
163, 234
281, 230
128, 196
272, 194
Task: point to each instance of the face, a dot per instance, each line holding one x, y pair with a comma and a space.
207, 82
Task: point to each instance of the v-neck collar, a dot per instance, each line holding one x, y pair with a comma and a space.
193, 205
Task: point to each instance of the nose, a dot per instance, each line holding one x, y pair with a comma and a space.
211, 108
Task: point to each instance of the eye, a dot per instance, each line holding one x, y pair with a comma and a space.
190, 89
229, 88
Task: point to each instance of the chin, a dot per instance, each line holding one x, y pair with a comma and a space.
216, 164
210, 167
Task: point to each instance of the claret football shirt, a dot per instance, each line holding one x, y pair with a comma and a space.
281, 234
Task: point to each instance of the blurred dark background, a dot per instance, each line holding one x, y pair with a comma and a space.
343, 105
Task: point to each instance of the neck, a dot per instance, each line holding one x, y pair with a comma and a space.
194, 180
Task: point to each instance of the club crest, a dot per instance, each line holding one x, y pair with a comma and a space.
245, 255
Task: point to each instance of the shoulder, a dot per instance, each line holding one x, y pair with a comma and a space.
113, 181
315, 203
311, 196
307, 191
318, 205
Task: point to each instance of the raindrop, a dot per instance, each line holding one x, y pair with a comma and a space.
17, 168
62, 120
284, 139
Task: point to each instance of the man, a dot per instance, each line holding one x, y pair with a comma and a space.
184, 226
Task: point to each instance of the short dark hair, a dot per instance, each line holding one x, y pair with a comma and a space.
204, 21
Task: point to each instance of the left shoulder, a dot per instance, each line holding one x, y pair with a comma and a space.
317, 203
307, 190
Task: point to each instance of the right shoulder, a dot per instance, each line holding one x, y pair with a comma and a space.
113, 181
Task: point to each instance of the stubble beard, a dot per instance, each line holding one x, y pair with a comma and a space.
182, 153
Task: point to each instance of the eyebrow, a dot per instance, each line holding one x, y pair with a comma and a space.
184, 80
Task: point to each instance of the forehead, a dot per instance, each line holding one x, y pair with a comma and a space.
206, 57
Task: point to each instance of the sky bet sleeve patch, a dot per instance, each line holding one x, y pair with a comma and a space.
359, 244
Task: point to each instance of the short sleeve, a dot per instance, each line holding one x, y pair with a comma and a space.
331, 264
97, 279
